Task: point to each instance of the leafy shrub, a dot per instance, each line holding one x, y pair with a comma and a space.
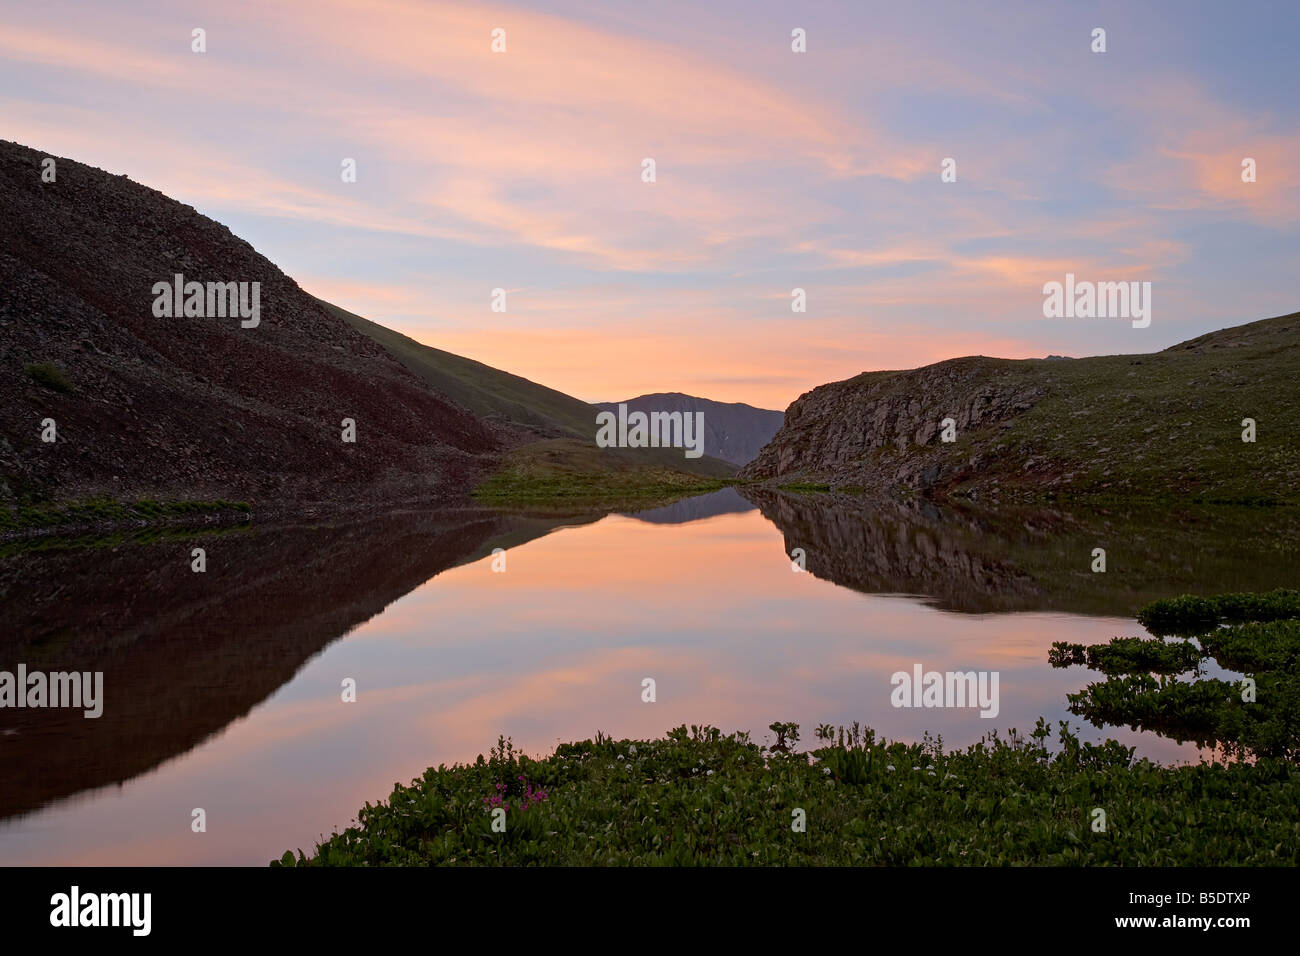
1190, 615
697, 796
1254, 634
1126, 655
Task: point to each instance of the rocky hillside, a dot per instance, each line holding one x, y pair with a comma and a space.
733, 431
198, 408
1168, 423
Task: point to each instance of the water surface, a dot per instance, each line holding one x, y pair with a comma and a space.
224, 690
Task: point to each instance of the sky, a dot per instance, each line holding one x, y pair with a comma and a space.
774, 170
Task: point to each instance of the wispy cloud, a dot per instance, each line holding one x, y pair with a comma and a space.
522, 170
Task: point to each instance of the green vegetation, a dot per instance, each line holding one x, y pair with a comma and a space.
493, 394
484, 390
804, 487
1257, 635
698, 796
568, 473
95, 511
49, 375
1192, 616
1170, 423
1125, 655
1159, 427
48, 543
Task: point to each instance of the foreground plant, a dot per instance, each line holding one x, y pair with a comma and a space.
1255, 635
698, 796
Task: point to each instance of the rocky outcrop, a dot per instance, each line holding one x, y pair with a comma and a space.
881, 429
1215, 418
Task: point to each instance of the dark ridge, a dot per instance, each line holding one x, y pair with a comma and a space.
192, 408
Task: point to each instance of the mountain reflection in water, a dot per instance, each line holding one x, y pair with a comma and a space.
222, 689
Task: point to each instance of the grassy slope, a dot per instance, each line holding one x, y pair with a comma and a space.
484, 390
568, 473
1171, 421
566, 456
1160, 424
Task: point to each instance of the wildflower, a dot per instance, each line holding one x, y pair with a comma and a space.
632, 750
891, 766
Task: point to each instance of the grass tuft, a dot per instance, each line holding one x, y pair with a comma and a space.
48, 375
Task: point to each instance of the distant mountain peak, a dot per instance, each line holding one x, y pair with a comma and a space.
733, 431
